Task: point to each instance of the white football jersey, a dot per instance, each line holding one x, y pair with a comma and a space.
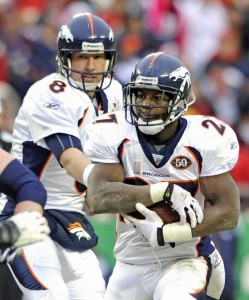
53, 106
202, 146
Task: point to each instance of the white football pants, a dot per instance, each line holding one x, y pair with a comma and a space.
46, 271
181, 279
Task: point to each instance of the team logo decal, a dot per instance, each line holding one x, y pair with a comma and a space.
181, 73
181, 162
76, 228
65, 33
53, 106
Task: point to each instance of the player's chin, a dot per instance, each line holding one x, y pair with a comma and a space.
147, 119
90, 80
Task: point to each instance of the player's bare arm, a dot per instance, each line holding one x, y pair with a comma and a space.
223, 196
108, 194
28, 205
74, 162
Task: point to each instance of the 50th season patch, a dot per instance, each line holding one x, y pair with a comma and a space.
181, 162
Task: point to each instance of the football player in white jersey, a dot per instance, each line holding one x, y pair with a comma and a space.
152, 153
48, 135
28, 225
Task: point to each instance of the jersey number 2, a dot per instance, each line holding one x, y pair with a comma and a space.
219, 127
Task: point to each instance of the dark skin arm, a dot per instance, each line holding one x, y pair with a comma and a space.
110, 194
223, 212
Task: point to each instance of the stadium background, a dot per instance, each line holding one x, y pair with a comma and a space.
210, 36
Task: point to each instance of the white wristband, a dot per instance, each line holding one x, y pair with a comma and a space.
157, 191
177, 232
86, 173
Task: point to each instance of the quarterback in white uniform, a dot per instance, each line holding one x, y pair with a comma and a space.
151, 153
48, 136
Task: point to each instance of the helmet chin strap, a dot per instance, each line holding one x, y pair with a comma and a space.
151, 128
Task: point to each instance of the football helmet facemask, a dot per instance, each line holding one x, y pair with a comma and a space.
167, 75
87, 34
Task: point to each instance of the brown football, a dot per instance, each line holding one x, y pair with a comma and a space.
164, 211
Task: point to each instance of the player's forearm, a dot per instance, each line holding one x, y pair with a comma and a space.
28, 206
225, 219
114, 197
224, 209
74, 162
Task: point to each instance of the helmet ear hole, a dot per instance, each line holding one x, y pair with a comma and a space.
62, 58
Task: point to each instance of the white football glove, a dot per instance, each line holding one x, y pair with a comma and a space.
155, 231
179, 199
32, 226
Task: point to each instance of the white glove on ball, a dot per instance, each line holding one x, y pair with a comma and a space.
179, 199
155, 231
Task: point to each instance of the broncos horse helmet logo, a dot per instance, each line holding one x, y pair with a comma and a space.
181, 73
65, 34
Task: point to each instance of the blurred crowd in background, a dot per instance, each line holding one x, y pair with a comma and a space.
210, 36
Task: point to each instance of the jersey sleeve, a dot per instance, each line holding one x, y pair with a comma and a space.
102, 141
221, 151
49, 113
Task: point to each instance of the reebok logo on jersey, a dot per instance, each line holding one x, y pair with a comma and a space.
233, 145
181, 162
52, 106
76, 228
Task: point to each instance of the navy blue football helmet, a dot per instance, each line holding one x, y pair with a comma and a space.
87, 34
167, 75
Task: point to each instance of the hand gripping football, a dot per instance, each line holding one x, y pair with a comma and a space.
164, 211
